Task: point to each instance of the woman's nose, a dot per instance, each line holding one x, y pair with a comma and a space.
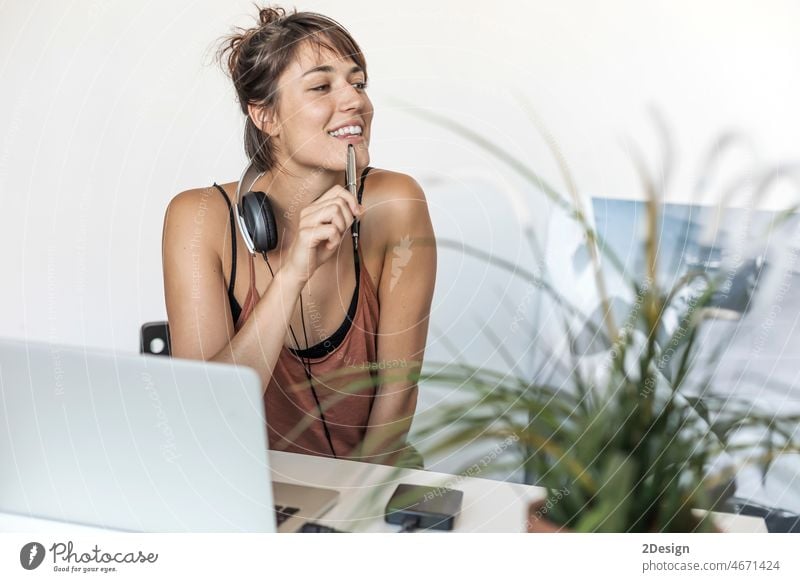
351, 98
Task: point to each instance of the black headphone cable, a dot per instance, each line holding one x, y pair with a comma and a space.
306, 365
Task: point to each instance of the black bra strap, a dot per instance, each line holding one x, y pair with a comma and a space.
233, 241
356, 224
361, 186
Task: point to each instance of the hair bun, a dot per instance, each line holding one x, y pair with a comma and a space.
270, 15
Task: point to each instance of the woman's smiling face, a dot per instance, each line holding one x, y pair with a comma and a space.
320, 92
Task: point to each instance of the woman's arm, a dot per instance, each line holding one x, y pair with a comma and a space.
196, 295
405, 294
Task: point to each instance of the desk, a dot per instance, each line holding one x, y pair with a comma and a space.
489, 506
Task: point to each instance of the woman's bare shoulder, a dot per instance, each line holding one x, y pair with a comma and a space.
204, 197
200, 213
391, 190
393, 196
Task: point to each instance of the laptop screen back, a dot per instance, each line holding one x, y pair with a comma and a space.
136, 443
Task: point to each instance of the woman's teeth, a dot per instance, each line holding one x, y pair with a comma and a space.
349, 130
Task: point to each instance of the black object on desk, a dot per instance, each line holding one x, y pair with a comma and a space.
777, 520
313, 527
423, 507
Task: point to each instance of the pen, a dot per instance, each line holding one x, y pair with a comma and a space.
350, 175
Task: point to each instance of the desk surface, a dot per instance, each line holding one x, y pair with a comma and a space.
488, 506
365, 488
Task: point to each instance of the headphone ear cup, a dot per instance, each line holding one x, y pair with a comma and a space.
259, 221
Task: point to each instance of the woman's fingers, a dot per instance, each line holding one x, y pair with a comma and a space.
319, 233
335, 212
338, 192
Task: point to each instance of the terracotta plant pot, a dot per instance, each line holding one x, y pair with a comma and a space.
537, 521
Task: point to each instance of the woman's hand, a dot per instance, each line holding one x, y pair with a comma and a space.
322, 227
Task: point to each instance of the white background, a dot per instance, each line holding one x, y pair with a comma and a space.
109, 109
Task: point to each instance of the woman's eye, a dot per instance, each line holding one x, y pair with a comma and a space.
359, 85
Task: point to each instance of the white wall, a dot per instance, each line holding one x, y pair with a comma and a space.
110, 108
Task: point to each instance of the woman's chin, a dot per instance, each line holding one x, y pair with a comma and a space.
340, 155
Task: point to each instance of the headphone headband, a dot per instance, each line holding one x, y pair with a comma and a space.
247, 175
253, 207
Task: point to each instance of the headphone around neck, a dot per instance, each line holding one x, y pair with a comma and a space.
254, 215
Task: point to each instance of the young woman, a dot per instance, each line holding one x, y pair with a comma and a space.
336, 329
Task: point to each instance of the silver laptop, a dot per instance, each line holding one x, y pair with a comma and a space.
140, 443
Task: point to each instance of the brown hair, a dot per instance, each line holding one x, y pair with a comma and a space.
256, 58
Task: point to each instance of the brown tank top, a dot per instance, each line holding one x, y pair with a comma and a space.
344, 380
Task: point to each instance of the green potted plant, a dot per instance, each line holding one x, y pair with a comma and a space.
629, 443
